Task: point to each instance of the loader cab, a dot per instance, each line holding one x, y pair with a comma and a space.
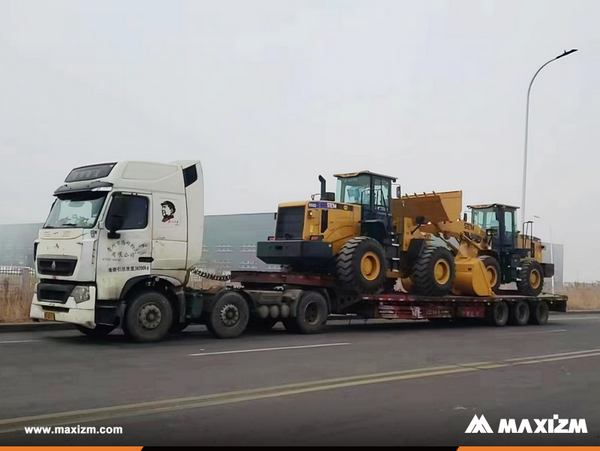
500, 222
373, 192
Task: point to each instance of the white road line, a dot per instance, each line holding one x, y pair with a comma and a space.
531, 333
561, 318
16, 341
270, 349
553, 355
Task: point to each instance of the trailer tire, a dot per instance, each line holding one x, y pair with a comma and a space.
539, 313
493, 270
148, 317
311, 316
499, 313
519, 313
360, 265
530, 278
101, 330
229, 316
434, 272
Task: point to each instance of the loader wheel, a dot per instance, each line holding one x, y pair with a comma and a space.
519, 313
499, 314
493, 271
360, 265
530, 278
539, 313
434, 272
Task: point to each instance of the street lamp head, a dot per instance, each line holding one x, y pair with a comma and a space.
565, 53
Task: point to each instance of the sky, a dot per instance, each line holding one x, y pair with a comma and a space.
269, 94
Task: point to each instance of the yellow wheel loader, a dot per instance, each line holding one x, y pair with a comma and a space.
368, 240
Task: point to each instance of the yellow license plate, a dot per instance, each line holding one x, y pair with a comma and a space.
49, 316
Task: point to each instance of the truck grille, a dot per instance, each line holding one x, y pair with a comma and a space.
56, 266
52, 292
290, 223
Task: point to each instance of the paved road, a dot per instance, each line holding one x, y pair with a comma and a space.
402, 383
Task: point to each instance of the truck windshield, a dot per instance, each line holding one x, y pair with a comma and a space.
79, 210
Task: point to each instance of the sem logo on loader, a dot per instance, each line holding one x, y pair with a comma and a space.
330, 206
544, 426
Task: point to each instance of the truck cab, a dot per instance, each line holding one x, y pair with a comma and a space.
118, 232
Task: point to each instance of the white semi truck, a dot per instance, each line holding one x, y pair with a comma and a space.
121, 241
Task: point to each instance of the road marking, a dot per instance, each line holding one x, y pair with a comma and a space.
16, 341
194, 402
531, 333
560, 318
282, 348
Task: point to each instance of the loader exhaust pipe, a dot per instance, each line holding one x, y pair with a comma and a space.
324, 194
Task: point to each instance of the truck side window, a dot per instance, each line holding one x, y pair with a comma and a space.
136, 213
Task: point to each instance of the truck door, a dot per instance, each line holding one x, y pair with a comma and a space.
128, 255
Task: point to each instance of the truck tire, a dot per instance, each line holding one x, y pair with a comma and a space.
148, 317
434, 272
493, 270
101, 330
311, 316
519, 313
360, 265
539, 313
229, 316
499, 314
530, 278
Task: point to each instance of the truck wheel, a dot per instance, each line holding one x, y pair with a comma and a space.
311, 316
229, 315
493, 271
539, 313
519, 313
530, 278
499, 314
148, 317
101, 330
434, 272
360, 265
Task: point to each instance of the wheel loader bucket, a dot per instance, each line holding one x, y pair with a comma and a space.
471, 278
435, 207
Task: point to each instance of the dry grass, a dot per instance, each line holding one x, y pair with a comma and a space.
15, 301
582, 297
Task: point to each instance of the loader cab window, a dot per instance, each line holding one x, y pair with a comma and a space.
382, 190
485, 218
354, 190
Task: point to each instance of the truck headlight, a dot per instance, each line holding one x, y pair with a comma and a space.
81, 294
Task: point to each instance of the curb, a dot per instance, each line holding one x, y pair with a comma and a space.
583, 311
34, 327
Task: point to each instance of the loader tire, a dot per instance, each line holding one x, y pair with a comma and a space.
530, 278
493, 271
434, 272
360, 265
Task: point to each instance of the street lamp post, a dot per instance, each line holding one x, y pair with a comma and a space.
551, 249
524, 217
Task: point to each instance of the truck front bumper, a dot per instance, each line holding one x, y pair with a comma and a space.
73, 304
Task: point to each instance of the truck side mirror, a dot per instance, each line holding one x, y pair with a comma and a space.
398, 192
116, 216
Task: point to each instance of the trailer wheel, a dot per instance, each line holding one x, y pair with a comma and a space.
539, 313
311, 316
360, 265
101, 330
499, 314
519, 313
148, 317
229, 316
434, 271
530, 278
493, 271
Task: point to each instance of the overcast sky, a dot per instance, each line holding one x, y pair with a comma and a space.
270, 94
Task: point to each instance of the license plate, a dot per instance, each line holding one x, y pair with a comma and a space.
49, 316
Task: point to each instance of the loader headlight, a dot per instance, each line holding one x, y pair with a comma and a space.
81, 294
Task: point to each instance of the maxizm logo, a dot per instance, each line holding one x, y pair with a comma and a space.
554, 425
